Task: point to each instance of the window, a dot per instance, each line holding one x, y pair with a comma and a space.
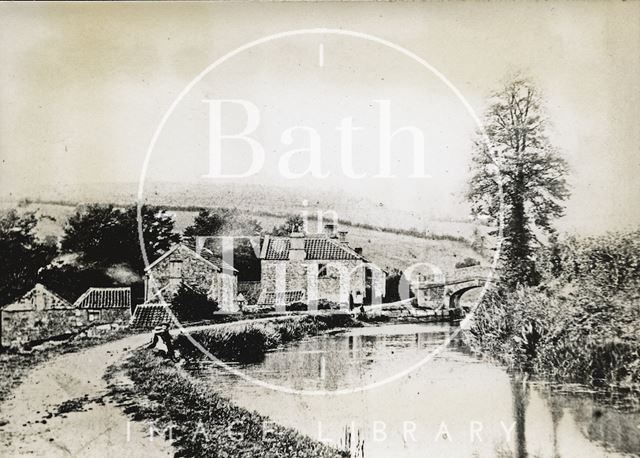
322, 270
94, 315
175, 269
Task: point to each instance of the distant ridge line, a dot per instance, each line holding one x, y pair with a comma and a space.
196, 208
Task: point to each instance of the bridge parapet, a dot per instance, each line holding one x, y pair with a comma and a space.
455, 276
468, 273
446, 289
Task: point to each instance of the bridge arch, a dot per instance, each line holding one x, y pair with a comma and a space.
445, 293
455, 292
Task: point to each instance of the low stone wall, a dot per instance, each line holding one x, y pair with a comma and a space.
21, 327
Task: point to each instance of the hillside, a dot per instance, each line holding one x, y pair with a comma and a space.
383, 247
258, 200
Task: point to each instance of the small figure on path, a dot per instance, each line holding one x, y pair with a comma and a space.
162, 332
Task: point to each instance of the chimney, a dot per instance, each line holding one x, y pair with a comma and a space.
330, 230
342, 236
358, 251
296, 246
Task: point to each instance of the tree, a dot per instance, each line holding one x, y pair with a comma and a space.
532, 173
105, 235
209, 223
230, 222
293, 223
23, 254
222, 221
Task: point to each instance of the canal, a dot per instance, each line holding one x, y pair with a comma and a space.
455, 405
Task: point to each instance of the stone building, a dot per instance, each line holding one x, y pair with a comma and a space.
41, 314
105, 305
307, 268
197, 269
38, 315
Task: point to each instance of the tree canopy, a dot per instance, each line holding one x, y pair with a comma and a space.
107, 235
23, 254
223, 221
293, 223
230, 222
532, 174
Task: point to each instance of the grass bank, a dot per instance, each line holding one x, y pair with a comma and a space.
580, 324
248, 342
202, 422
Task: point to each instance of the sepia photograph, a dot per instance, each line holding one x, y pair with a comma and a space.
291, 229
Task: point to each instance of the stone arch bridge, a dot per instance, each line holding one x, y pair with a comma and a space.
445, 291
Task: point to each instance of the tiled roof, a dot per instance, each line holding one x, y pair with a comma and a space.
105, 298
209, 255
277, 249
205, 253
285, 297
38, 298
147, 316
320, 248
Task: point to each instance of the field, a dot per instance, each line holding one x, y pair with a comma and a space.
384, 248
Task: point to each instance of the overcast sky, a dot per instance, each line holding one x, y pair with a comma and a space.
84, 86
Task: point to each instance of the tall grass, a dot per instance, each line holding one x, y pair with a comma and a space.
249, 342
581, 324
203, 423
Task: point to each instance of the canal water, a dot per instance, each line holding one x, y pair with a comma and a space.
455, 405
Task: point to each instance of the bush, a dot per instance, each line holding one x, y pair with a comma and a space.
585, 335
192, 304
580, 324
297, 307
249, 342
467, 262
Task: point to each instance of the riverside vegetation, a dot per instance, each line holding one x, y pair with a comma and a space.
580, 323
249, 342
205, 423
202, 422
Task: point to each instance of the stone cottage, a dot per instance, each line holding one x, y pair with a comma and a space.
38, 315
41, 314
309, 267
105, 305
197, 269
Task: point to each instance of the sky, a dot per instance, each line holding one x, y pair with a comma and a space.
84, 86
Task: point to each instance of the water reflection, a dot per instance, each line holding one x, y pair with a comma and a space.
455, 405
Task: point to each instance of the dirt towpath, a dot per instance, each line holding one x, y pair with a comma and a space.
61, 408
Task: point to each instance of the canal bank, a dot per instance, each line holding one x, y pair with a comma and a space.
453, 405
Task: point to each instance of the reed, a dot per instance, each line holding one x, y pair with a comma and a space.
249, 342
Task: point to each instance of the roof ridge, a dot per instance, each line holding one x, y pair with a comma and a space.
47, 290
345, 247
103, 288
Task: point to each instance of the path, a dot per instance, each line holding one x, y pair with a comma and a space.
99, 428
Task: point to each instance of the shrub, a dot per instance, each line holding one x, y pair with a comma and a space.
582, 335
249, 342
467, 262
297, 307
192, 303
